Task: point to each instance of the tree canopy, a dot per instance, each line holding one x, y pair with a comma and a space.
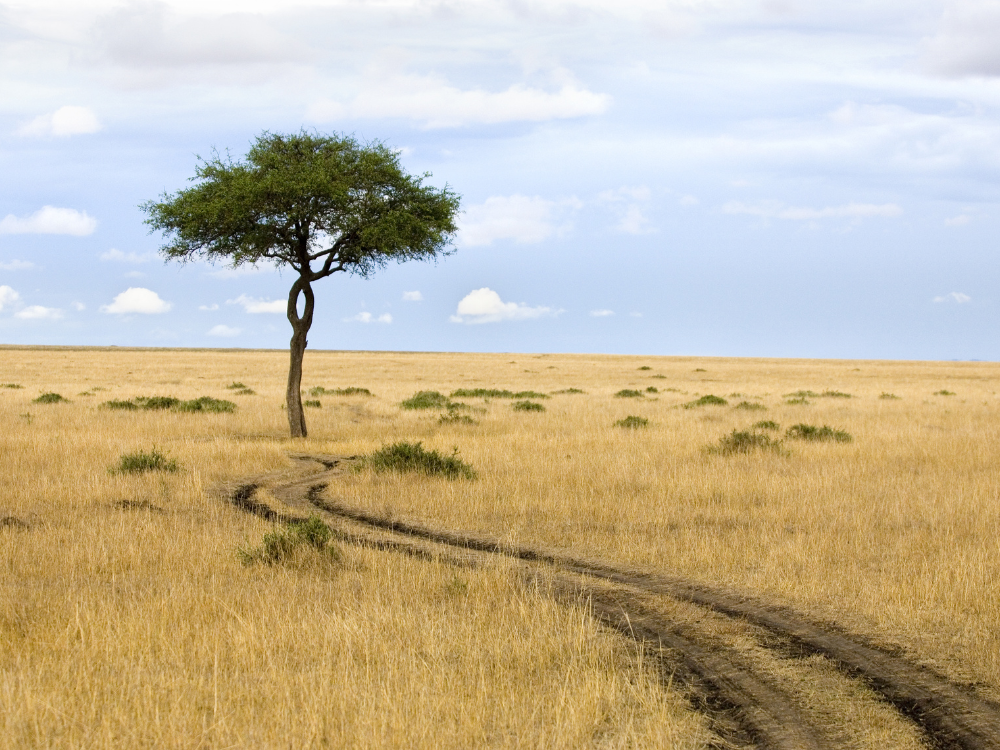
318, 204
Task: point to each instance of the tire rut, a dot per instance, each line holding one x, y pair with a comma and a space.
952, 717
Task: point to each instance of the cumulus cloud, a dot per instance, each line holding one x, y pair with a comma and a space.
8, 296
629, 204
367, 317
16, 265
957, 297
601, 313
130, 257
436, 103
208, 308
79, 306
253, 305
137, 300
413, 297
517, 217
63, 122
224, 331
50, 220
778, 210
37, 312
485, 306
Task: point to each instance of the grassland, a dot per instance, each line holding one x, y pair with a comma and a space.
127, 618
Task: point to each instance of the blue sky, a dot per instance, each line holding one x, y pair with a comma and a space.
747, 178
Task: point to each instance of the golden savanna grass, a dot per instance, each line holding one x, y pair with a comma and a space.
135, 624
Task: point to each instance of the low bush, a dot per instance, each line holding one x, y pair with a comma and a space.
802, 394
568, 391
835, 394
142, 462
526, 406
645, 367
750, 406
11, 385
801, 401
708, 400
632, 422
745, 441
313, 403
936, 393
700, 369
236, 386
402, 457
628, 393
659, 377
349, 391
767, 424
207, 404
120, 405
50, 398
889, 396
652, 389
426, 400
495, 393
157, 402
454, 418
811, 432
246, 392
283, 544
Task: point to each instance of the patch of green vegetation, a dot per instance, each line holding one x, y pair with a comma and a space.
835, 394
750, 406
495, 393
700, 369
282, 545
401, 457
236, 385
349, 391
802, 394
652, 389
659, 377
645, 367
207, 404
767, 424
453, 417
246, 392
142, 462
801, 401
313, 403
120, 405
157, 402
628, 393
889, 396
11, 385
944, 393
526, 406
426, 400
632, 422
568, 391
811, 432
708, 400
745, 441
50, 398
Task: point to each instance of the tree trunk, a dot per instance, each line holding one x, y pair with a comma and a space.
300, 327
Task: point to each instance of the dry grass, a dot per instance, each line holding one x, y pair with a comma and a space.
139, 627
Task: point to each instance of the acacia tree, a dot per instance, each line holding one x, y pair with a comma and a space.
316, 204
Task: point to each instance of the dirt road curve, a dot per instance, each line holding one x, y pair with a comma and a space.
747, 708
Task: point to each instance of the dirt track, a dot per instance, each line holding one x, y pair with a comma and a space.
747, 707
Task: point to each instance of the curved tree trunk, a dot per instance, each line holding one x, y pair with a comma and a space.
300, 328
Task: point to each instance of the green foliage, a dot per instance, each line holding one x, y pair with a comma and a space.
820, 434
801, 401
494, 393
889, 396
313, 403
157, 402
944, 393
835, 394
50, 398
349, 391
246, 392
236, 386
568, 391
802, 395
453, 417
766, 424
745, 441
161, 403
141, 462
652, 389
700, 369
404, 457
750, 406
708, 400
207, 404
632, 422
645, 367
628, 393
120, 405
659, 377
11, 385
426, 400
283, 544
527, 406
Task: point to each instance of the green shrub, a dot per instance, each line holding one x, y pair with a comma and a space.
246, 392
236, 386
659, 377
426, 400
628, 393
652, 389
157, 402
632, 422
453, 418
745, 441
700, 369
50, 398
313, 403
402, 457
811, 432
568, 391
750, 406
889, 396
207, 404
936, 393
141, 462
281, 545
708, 400
120, 405
801, 401
645, 367
495, 393
11, 385
835, 394
349, 391
526, 406
767, 424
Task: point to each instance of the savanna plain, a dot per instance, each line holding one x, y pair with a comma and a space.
134, 611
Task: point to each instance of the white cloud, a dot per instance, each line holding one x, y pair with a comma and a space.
63, 122
689, 200
208, 308
435, 103
635, 314
778, 210
516, 217
79, 306
413, 297
367, 317
130, 257
37, 312
8, 296
601, 313
50, 220
16, 265
253, 305
137, 300
958, 221
957, 297
629, 204
485, 306
225, 331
